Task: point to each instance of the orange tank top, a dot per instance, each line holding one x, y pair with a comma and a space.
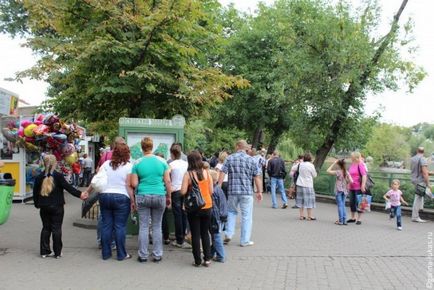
204, 189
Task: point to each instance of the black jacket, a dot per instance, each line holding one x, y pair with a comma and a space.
55, 198
276, 168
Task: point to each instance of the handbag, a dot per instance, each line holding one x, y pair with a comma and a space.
369, 181
194, 200
100, 180
421, 189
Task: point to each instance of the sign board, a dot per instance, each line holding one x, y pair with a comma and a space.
164, 133
8, 103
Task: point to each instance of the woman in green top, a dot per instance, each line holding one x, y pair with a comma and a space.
151, 177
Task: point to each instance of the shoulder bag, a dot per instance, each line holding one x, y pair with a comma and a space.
99, 181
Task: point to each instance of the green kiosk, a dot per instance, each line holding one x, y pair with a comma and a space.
163, 132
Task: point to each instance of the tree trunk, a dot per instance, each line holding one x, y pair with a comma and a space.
353, 91
274, 142
256, 138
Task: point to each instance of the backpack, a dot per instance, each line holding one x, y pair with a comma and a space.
219, 210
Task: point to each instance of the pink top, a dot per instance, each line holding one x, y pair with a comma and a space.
106, 156
355, 175
394, 197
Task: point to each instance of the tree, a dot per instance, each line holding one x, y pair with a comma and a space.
310, 65
388, 143
108, 59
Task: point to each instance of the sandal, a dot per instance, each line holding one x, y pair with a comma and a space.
311, 219
302, 218
337, 223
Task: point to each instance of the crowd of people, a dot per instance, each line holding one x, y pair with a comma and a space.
227, 185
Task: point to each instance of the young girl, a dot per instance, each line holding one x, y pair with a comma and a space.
394, 196
343, 179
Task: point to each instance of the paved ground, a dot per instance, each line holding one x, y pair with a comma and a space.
288, 254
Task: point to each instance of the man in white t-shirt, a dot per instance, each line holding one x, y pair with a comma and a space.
178, 168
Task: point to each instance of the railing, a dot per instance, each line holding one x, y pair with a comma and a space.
325, 184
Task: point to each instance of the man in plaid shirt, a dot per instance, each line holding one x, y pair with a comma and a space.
241, 169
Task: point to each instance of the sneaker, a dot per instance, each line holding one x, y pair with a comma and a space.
166, 242
206, 263
175, 244
60, 256
113, 247
219, 260
294, 206
419, 220
248, 244
186, 245
226, 240
399, 228
142, 260
351, 221
284, 206
49, 255
358, 222
157, 259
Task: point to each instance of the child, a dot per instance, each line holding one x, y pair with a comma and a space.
219, 214
394, 196
343, 179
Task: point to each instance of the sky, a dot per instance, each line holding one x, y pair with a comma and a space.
399, 107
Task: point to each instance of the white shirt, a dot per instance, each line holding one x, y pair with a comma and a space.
219, 167
87, 163
178, 169
117, 179
306, 175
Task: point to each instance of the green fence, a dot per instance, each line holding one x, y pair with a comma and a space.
325, 184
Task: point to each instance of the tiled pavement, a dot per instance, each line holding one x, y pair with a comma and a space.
288, 254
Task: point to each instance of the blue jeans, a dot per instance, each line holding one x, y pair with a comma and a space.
342, 212
279, 183
151, 209
245, 202
115, 209
396, 211
99, 230
217, 248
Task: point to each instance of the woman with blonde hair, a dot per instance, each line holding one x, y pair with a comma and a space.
48, 197
221, 160
358, 174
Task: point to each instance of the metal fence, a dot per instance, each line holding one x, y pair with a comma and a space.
325, 184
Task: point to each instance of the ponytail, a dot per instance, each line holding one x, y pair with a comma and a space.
50, 163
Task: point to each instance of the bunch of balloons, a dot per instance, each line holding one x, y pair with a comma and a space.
46, 133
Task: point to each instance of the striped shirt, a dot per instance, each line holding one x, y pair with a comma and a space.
241, 169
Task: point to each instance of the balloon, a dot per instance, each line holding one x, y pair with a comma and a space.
37, 123
21, 132
57, 154
72, 158
60, 137
26, 123
50, 119
31, 147
10, 134
41, 130
29, 139
68, 149
28, 130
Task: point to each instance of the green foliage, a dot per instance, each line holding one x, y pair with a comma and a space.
288, 150
388, 143
310, 65
203, 135
109, 59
